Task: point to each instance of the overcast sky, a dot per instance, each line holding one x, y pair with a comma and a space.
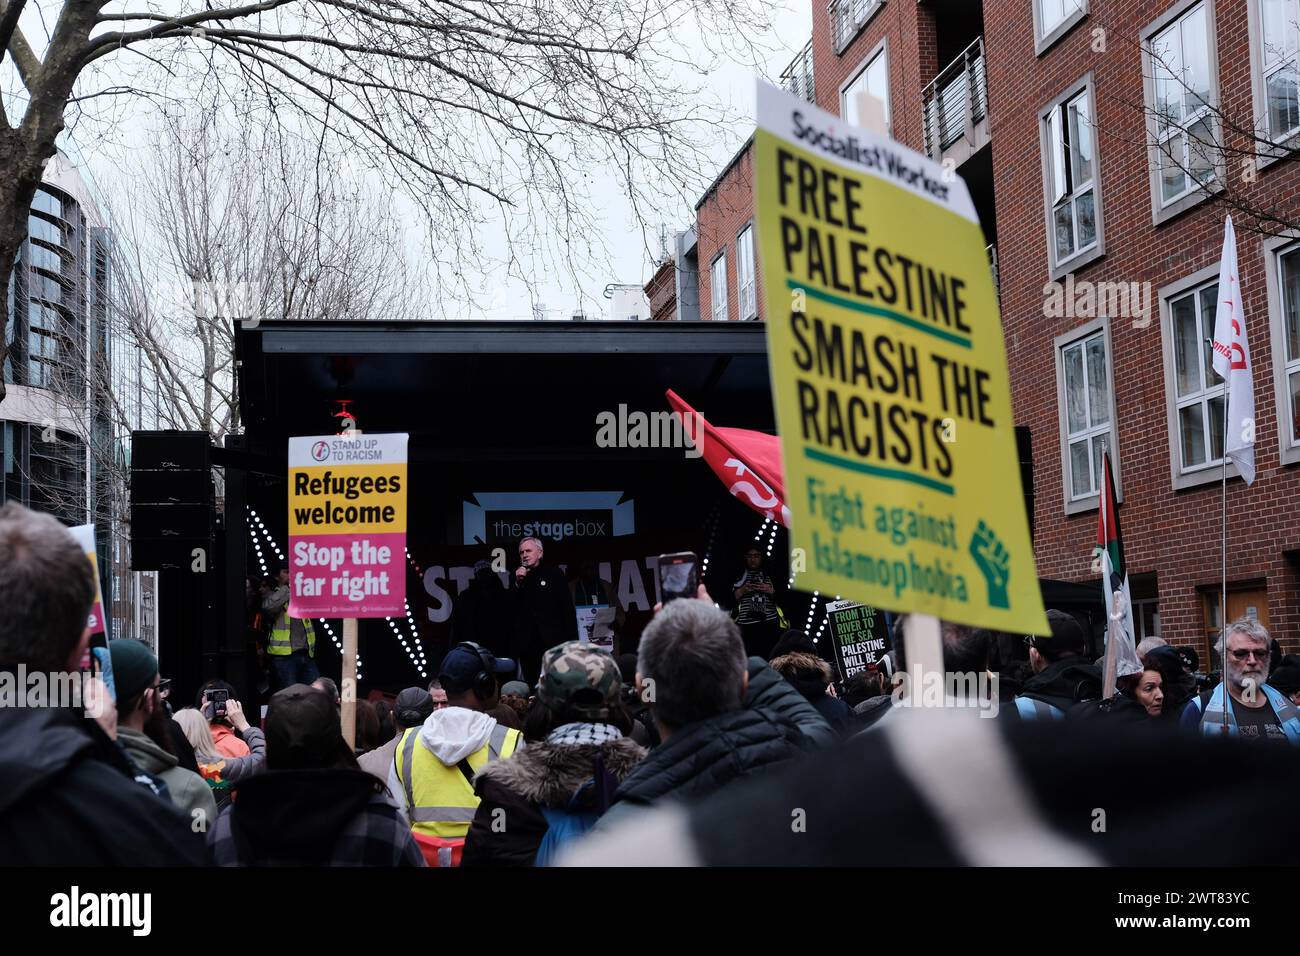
502, 297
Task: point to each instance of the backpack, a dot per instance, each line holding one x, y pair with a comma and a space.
562, 826
568, 823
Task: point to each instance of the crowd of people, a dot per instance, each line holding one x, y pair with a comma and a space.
603, 759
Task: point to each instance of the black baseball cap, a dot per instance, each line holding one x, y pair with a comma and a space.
413, 706
463, 663
1067, 635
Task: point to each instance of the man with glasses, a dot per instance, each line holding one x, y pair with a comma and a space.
1257, 711
143, 732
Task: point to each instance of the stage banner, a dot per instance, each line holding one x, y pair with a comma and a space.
347, 526
889, 375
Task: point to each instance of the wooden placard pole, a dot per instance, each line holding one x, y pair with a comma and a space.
348, 690
923, 651
348, 675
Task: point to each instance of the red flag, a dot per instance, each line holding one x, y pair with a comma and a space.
748, 462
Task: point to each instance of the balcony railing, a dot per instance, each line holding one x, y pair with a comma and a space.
848, 17
956, 100
797, 78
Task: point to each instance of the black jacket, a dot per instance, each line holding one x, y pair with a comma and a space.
325, 817
543, 617
67, 798
514, 791
769, 689
834, 711
1062, 771
704, 757
1064, 683
482, 614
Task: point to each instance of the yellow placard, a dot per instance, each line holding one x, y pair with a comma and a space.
327, 499
889, 374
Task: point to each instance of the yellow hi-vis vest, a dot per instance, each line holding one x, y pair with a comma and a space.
281, 643
439, 799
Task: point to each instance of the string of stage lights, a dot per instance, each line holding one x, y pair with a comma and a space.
414, 647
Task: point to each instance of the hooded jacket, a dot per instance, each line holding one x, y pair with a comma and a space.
67, 798
188, 790
1064, 683
704, 757
545, 775
313, 818
450, 734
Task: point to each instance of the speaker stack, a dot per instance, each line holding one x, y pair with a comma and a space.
172, 501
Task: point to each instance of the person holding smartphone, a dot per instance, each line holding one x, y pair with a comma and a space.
756, 610
226, 721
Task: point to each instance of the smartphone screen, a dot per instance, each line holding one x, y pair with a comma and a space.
678, 575
218, 700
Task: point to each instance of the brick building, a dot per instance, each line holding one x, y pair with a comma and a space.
1103, 142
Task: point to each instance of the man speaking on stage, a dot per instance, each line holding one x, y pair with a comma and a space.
544, 613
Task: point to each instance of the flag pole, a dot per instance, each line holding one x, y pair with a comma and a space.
1223, 594
1111, 659
1223, 601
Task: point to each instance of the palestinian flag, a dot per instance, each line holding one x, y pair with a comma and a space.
1114, 576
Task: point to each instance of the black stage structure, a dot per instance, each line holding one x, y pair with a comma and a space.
503, 424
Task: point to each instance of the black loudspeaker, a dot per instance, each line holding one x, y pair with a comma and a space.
171, 521
171, 451
172, 506
170, 487
1025, 452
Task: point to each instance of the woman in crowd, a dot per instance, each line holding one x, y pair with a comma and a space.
555, 789
221, 771
367, 727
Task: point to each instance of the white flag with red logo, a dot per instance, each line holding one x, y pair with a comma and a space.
1232, 362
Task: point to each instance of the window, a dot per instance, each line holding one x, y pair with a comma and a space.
1288, 266
745, 284
1198, 391
1054, 18
848, 17
718, 287
1072, 189
1146, 619
1181, 92
1279, 44
873, 78
1084, 378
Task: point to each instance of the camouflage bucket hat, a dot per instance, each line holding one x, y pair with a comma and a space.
580, 677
